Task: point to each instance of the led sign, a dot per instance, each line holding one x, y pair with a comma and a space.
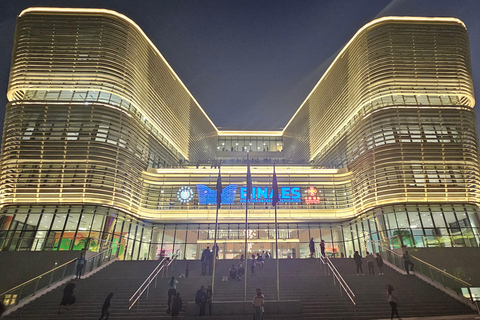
312, 196
184, 194
209, 196
265, 194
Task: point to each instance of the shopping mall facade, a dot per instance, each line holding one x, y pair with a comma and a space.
103, 143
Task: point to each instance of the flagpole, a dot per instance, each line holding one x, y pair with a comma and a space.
276, 250
219, 197
215, 252
249, 182
275, 202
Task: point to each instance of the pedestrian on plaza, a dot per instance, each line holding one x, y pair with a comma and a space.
379, 263
260, 261
172, 291
68, 296
252, 265
267, 255
106, 305
392, 300
81, 262
258, 305
200, 300
210, 263
209, 299
242, 259
311, 245
176, 306
216, 250
240, 271
187, 269
407, 261
370, 263
322, 247
204, 259
358, 261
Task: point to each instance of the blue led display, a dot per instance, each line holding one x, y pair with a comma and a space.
209, 196
265, 194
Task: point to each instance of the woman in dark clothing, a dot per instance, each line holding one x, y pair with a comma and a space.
172, 291
176, 306
380, 263
208, 298
68, 296
105, 307
358, 261
393, 301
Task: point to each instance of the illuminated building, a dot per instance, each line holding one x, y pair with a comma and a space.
102, 141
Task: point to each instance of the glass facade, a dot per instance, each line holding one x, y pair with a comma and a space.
391, 148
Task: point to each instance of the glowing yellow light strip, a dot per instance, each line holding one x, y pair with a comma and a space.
128, 20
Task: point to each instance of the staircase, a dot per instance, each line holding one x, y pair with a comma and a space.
416, 297
304, 280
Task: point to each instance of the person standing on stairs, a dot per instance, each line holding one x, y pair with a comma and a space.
200, 300
392, 300
81, 261
204, 259
358, 261
172, 291
68, 296
311, 246
209, 299
379, 263
258, 305
370, 263
407, 261
252, 266
176, 306
322, 248
187, 269
106, 306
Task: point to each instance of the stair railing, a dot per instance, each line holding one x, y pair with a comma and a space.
20, 293
338, 277
145, 286
441, 278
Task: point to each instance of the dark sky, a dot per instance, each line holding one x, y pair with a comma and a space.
250, 63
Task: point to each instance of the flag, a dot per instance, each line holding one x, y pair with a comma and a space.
275, 197
249, 181
219, 188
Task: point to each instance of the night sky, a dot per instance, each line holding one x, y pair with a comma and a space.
251, 63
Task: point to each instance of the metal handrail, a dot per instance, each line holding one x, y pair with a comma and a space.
339, 275
152, 277
431, 277
336, 275
21, 286
424, 262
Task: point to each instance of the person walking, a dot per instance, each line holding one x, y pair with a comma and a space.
322, 247
68, 297
106, 305
176, 306
172, 291
407, 262
379, 263
392, 300
200, 300
209, 299
204, 259
311, 246
358, 261
258, 305
81, 262
252, 266
370, 263
187, 269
